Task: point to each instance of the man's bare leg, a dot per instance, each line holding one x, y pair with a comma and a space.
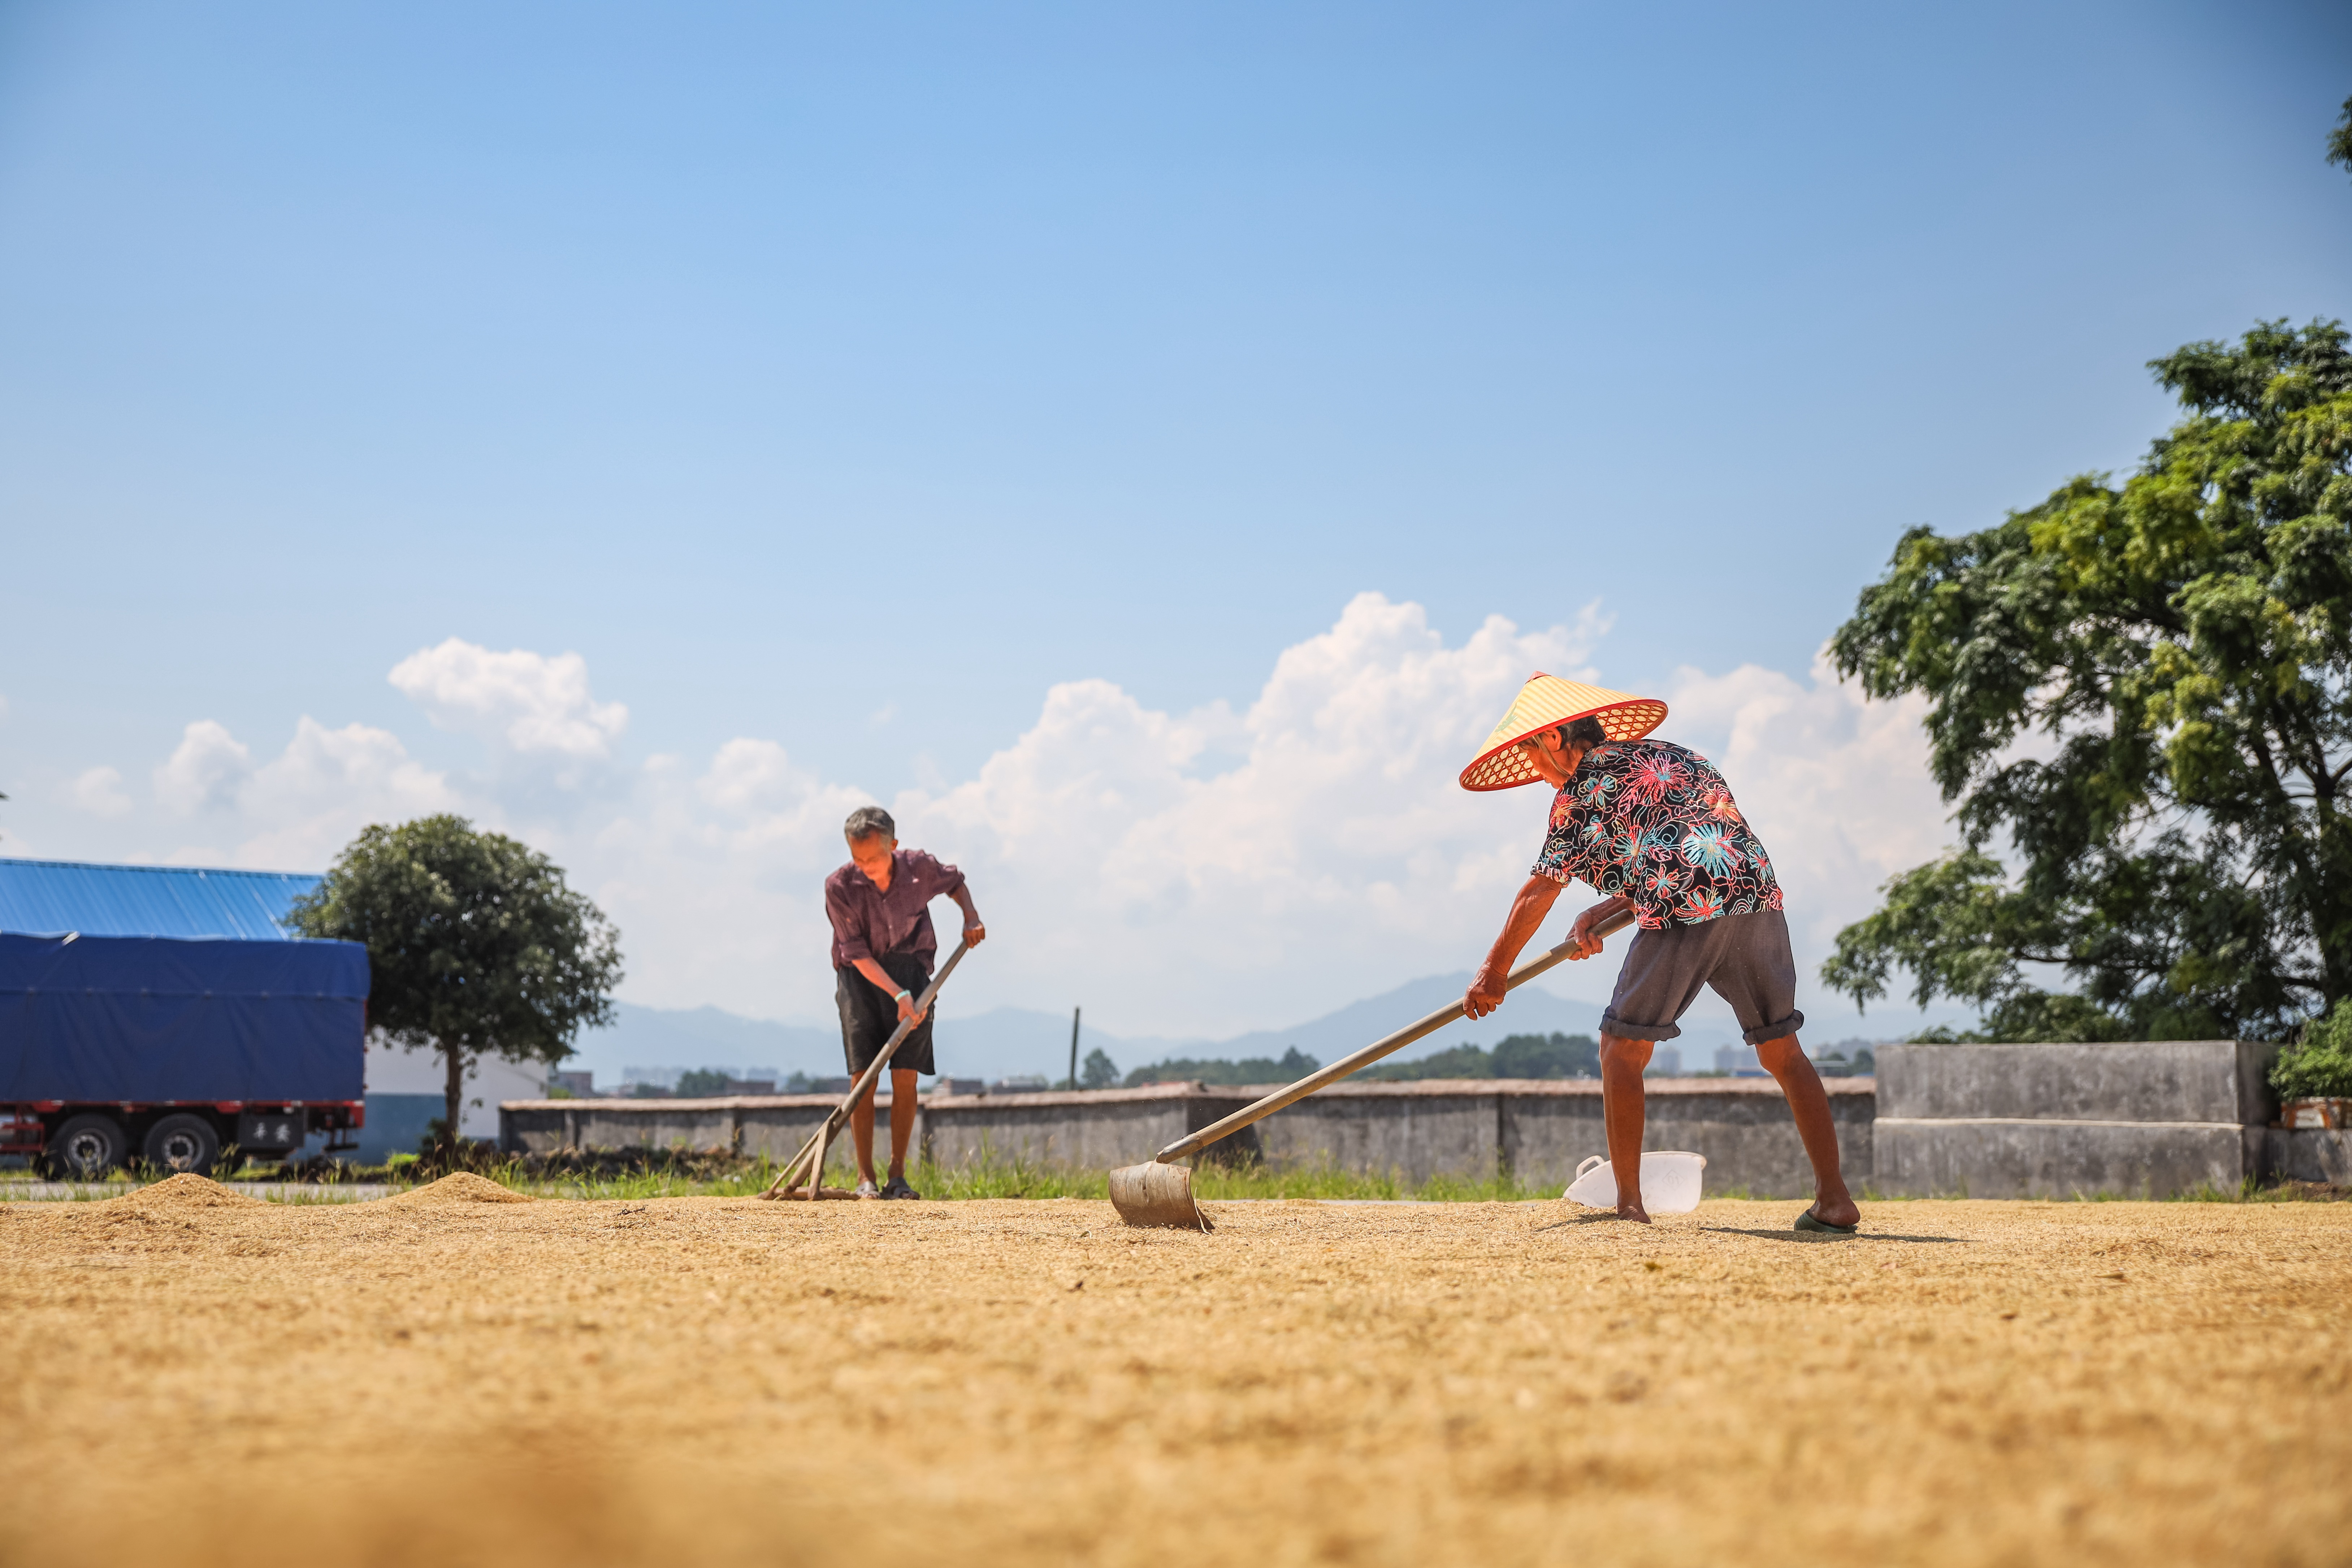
1810, 1104
1623, 1111
902, 1121
861, 1133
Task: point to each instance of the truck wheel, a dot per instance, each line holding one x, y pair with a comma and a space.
183, 1143
86, 1147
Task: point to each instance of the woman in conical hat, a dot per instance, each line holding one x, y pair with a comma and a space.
1652, 828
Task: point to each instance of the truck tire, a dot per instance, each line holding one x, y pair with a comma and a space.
86, 1147
183, 1143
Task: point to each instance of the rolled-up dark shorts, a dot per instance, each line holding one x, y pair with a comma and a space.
868, 1014
1744, 958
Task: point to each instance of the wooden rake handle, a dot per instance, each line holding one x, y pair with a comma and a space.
839, 1115
1372, 1053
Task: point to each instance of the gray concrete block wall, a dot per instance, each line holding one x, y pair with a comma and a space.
2307, 1156
773, 1125
1538, 1131
1742, 1125
1085, 1128
2149, 1081
1416, 1129
2151, 1119
2023, 1159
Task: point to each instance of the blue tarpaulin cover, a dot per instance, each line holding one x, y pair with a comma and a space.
149, 1018
58, 897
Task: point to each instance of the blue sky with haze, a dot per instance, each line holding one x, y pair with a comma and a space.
850, 376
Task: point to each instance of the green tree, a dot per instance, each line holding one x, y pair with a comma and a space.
1099, 1071
697, 1082
475, 945
2178, 651
1548, 1056
2339, 141
1292, 1065
1454, 1061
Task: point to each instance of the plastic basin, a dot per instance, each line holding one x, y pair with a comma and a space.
1670, 1182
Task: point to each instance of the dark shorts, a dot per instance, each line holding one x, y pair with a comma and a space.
869, 1014
1745, 957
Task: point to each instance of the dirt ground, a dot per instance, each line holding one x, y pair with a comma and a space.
458, 1375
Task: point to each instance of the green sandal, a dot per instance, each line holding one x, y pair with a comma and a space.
1810, 1221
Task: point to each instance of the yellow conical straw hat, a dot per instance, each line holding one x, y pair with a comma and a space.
1546, 700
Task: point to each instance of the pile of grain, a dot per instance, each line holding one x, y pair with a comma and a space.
441, 1379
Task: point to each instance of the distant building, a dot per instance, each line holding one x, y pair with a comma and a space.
582, 1084
1019, 1083
1740, 1061
1665, 1061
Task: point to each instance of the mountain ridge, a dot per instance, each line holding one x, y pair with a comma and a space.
1005, 1041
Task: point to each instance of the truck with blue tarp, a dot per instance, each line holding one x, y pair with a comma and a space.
168, 1050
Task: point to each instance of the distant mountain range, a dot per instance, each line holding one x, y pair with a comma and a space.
1014, 1040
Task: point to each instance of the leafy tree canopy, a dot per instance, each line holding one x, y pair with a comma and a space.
2147, 691
1515, 1055
2320, 1065
1292, 1065
474, 944
1098, 1071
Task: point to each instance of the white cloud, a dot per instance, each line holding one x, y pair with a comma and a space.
295, 810
1176, 873
747, 775
98, 790
1836, 786
206, 773
1338, 858
314, 797
527, 702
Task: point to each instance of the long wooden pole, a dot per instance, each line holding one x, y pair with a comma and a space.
1306, 1086
839, 1115
1074, 1049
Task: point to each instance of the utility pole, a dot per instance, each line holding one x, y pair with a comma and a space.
1074, 1047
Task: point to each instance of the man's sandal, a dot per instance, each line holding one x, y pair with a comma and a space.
1809, 1221
868, 1190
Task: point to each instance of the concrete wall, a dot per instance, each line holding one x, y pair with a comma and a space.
2153, 1119
773, 1125
2023, 1120
2307, 1156
1086, 1128
1538, 1131
1742, 1125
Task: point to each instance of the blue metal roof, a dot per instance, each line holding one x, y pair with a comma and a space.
50, 897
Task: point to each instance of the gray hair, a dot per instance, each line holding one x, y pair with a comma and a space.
867, 821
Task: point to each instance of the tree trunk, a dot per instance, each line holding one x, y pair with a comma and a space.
454, 1094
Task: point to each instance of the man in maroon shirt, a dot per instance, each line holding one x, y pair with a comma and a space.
883, 948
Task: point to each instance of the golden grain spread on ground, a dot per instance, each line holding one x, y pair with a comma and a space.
456, 1376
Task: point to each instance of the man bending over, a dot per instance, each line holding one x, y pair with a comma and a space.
883, 948
1652, 827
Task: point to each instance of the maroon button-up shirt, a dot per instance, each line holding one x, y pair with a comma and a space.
870, 924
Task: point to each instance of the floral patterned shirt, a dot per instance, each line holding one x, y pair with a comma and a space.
1655, 822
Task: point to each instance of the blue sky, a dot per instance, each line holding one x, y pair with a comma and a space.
849, 377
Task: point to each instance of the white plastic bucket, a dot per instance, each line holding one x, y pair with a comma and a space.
1670, 1182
